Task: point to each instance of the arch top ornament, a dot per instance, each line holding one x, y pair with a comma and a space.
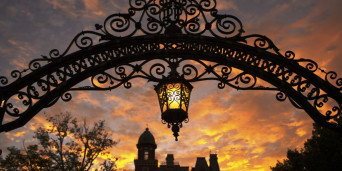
156, 36
148, 17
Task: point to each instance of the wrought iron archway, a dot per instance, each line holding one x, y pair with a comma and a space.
157, 35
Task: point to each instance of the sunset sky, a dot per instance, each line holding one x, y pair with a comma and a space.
249, 130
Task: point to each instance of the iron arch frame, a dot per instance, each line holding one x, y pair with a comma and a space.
155, 37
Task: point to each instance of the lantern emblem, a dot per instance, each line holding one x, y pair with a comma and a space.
174, 97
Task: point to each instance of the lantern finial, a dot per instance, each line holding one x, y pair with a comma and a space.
175, 130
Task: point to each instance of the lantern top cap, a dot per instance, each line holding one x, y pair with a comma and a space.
171, 80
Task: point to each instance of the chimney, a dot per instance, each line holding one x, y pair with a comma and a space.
214, 166
169, 160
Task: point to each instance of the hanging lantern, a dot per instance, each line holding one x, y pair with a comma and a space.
174, 97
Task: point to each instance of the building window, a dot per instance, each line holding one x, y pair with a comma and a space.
145, 155
145, 168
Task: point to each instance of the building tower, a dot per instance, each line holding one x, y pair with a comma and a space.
146, 153
214, 166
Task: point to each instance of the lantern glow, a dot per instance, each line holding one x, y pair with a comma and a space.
174, 96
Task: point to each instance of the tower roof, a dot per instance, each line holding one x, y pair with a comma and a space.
146, 138
201, 164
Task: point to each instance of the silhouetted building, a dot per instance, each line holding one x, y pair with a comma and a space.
146, 153
201, 164
147, 162
171, 165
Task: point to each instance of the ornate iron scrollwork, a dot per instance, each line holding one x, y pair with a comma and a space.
153, 36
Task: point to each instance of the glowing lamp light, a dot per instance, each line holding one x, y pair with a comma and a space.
174, 97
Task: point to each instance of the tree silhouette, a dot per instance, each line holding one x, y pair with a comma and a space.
323, 151
65, 145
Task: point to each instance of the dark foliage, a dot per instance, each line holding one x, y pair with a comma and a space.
323, 151
65, 145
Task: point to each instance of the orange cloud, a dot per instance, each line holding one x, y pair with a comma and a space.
226, 5
94, 6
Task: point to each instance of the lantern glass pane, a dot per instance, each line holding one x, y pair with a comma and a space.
174, 95
162, 98
185, 98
